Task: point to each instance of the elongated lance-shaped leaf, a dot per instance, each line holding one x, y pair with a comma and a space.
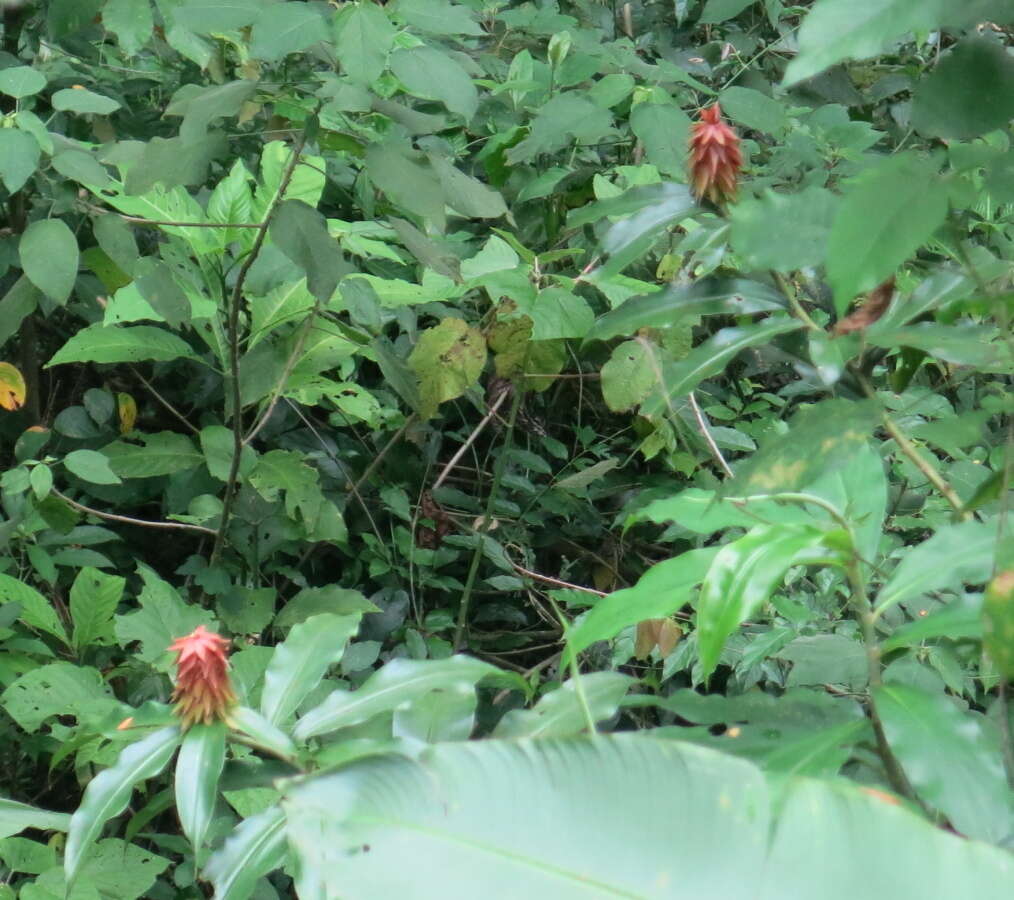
742, 576
300, 661
109, 792
400, 681
255, 847
561, 713
198, 768
15, 817
269, 736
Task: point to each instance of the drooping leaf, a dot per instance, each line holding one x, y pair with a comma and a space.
363, 37
16, 817
255, 847
281, 30
19, 158
12, 387
301, 233
115, 344
36, 611
447, 360
198, 768
426, 72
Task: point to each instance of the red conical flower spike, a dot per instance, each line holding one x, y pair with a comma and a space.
715, 159
203, 691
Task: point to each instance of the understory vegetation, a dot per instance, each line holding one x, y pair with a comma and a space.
468, 449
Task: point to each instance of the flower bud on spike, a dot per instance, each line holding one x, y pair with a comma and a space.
715, 159
203, 691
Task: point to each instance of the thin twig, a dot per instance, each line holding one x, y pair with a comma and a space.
702, 423
165, 402
468, 442
926, 467
797, 308
129, 520
376, 461
556, 582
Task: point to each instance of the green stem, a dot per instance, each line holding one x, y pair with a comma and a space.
797, 308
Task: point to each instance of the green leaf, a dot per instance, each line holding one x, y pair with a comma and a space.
438, 17
400, 681
662, 590
950, 758
200, 106
967, 93
19, 302
447, 360
556, 313
467, 195
207, 16
198, 768
884, 217
58, 689
826, 659
158, 285
21, 81
80, 166
218, 444
82, 100
131, 21
407, 181
284, 29
754, 110
94, 597
628, 376
956, 554
743, 575
301, 234
718, 11
960, 618
363, 37
784, 232
16, 817
255, 847
707, 296
49, 256
561, 713
428, 73
252, 723
663, 129
160, 454
108, 793
113, 344
90, 465
711, 358
232, 201
703, 512
117, 239
629, 238
19, 158
567, 117
834, 30
36, 611
962, 343
301, 661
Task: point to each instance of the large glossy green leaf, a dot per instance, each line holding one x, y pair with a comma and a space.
710, 358
398, 682
427, 72
561, 713
114, 344
886, 214
393, 826
742, 576
363, 37
49, 257
950, 759
662, 590
198, 768
301, 233
834, 30
956, 553
709, 296
109, 792
300, 661
255, 847
16, 817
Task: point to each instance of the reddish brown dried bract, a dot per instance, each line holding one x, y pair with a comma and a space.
874, 307
715, 159
203, 690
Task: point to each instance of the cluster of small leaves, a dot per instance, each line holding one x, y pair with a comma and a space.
390, 343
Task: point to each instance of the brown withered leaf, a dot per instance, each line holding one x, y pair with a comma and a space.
875, 306
662, 633
430, 538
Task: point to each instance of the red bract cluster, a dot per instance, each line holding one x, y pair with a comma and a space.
203, 691
715, 159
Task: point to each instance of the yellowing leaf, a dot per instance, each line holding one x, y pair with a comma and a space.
12, 387
447, 360
127, 409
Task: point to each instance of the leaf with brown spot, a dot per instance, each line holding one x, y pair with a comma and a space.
12, 387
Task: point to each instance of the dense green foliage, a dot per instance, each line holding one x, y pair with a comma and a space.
390, 342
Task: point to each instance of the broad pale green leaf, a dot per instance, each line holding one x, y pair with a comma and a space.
207, 16
662, 590
628, 376
398, 682
82, 100
200, 106
232, 201
711, 358
742, 576
253, 724
707, 296
90, 465
94, 597
282, 29
363, 37
407, 181
567, 117
754, 110
21, 81
19, 158
301, 661
131, 21
113, 344
783, 231
301, 234
447, 360
198, 768
116, 238
108, 793
885, 216
560, 713
255, 847
438, 17
968, 93
834, 30
717, 11
959, 553
49, 256
949, 758
81, 167
428, 73
36, 611
663, 128
556, 313
159, 454
16, 817
58, 689
960, 618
